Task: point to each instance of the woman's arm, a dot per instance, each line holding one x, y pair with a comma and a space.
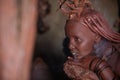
104, 71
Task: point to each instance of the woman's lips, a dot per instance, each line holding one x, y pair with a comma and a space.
76, 55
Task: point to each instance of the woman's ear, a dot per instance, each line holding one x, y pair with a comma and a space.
97, 38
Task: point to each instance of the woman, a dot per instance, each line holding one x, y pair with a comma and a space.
94, 45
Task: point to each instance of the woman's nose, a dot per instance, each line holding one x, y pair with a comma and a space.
71, 46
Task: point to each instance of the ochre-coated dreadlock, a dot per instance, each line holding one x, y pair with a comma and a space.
82, 10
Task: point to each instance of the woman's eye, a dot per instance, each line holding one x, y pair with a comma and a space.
77, 39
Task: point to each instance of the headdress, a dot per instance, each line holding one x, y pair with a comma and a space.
82, 10
74, 8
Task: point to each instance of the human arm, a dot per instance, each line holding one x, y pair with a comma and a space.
103, 70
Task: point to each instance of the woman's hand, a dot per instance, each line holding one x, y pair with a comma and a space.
75, 71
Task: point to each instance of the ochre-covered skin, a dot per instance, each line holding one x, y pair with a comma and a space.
85, 65
94, 45
17, 37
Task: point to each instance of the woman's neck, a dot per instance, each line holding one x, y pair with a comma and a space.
103, 49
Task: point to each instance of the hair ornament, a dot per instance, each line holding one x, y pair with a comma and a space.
74, 8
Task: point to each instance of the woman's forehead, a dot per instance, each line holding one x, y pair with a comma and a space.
73, 27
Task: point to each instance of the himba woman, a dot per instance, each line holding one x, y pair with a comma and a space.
92, 42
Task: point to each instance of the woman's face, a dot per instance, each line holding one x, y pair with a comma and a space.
81, 39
